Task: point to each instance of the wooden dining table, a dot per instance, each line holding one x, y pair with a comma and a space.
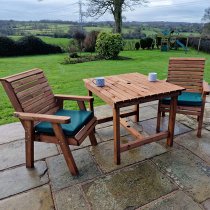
133, 89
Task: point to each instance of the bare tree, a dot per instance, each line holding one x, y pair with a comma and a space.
206, 19
115, 7
206, 16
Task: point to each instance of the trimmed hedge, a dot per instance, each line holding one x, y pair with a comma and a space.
28, 45
204, 43
147, 43
109, 45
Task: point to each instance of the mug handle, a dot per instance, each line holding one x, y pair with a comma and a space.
93, 81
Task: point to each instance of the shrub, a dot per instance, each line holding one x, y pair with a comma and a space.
31, 45
90, 41
73, 55
204, 44
137, 45
147, 43
80, 37
109, 45
7, 47
143, 43
73, 47
82, 59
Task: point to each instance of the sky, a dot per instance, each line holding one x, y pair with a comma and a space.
156, 10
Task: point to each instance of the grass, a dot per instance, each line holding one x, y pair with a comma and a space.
67, 79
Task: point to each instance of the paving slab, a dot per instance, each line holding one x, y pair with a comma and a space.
36, 199
188, 171
206, 204
106, 133
131, 187
149, 126
11, 132
198, 146
60, 175
104, 154
20, 179
147, 112
103, 111
85, 143
188, 120
151, 103
13, 153
207, 113
70, 198
208, 99
177, 200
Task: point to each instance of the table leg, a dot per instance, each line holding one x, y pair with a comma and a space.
137, 113
116, 127
90, 104
171, 122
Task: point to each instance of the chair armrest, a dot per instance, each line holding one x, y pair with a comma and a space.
206, 88
42, 117
74, 98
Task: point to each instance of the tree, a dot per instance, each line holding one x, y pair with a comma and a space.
115, 7
206, 16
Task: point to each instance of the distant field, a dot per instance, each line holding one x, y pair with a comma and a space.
67, 79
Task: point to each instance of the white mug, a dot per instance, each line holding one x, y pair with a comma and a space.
152, 77
99, 81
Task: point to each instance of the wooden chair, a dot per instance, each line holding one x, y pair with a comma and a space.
188, 73
43, 117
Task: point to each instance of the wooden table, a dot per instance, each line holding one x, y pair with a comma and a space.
132, 89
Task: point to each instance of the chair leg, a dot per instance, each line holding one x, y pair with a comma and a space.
158, 119
65, 149
69, 158
29, 143
200, 123
92, 138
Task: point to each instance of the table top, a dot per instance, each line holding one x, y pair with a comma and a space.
132, 88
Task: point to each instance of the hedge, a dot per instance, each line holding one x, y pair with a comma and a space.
204, 43
28, 45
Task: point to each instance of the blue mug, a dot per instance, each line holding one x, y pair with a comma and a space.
99, 81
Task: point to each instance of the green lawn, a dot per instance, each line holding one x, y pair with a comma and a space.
67, 79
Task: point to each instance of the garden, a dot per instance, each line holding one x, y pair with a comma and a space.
86, 55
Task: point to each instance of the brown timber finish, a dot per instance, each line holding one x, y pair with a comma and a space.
188, 73
34, 102
132, 89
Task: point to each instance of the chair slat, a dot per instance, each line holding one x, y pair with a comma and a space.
187, 72
22, 75
35, 94
32, 91
43, 101
29, 79
29, 85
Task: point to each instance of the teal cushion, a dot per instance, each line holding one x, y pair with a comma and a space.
186, 99
78, 120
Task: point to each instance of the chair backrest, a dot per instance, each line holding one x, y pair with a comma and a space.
187, 72
30, 92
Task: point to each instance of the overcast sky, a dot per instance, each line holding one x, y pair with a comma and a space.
156, 10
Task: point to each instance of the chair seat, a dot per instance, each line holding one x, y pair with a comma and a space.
78, 120
186, 99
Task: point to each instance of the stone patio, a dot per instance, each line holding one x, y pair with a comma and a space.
153, 176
